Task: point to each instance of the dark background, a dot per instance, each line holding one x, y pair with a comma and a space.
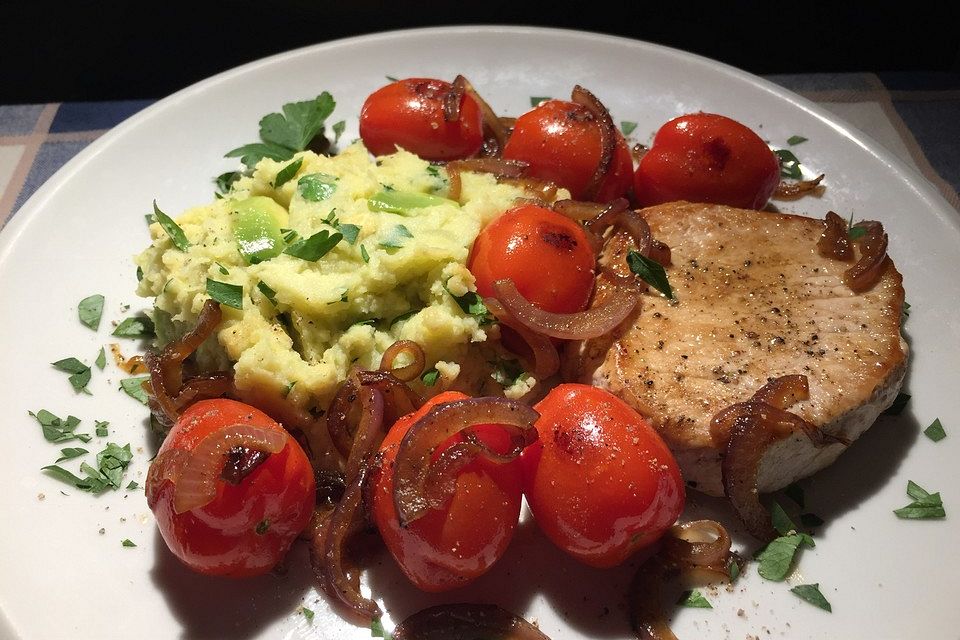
106, 50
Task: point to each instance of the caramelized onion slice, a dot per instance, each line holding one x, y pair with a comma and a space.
339, 414
700, 550
784, 392
608, 137
579, 210
466, 622
582, 325
790, 190
834, 242
867, 271
399, 398
546, 360
166, 466
753, 434
196, 484
414, 494
497, 166
452, 100
370, 431
494, 127
407, 372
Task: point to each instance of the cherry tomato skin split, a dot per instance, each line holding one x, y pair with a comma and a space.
561, 142
704, 157
248, 527
600, 482
546, 254
409, 114
451, 546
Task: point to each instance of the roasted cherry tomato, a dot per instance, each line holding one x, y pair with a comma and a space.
703, 157
600, 481
545, 253
247, 527
561, 143
452, 545
409, 114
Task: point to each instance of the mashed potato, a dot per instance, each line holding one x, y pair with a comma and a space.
305, 323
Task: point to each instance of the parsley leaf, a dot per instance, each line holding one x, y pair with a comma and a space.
627, 127
128, 543
80, 373
781, 521
267, 292
90, 310
101, 360
225, 181
405, 316
251, 154
225, 293
350, 232
935, 431
925, 505
287, 173
733, 569
536, 100
315, 247
58, 430
795, 140
173, 230
139, 326
112, 462
898, 405
364, 254
377, 630
317, 186
472, 304
395, 238
338, 128
133, 387
133, 485
429, 378
299, 123
776, 558
100, 428
694, 599
811, 593
789, 164
651, 272
307, 613
69, 453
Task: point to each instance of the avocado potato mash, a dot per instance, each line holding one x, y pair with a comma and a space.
314, 304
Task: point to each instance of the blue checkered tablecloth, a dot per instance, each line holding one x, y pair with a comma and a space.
914, 115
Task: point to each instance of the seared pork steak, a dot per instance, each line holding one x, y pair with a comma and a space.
754, 301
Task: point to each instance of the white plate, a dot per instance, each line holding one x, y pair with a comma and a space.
886, 578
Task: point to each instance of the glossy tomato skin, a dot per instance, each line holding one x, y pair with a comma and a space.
561, 142
248, 528
704, 157
409, 114
451, 546
546, 254
600, 482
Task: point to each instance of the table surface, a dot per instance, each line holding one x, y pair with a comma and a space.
914, 115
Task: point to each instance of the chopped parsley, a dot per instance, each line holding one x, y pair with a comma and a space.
68, 453
627, 127
307, 613
694, 599
350, 232
101, 360
377, 630
58, 430
173, 230
140, 326
429, 378
536, 100
935, 431
925, 505
128, 543
898, 405
315, 247
651, 272
287, 173
100, 428
472, 304
433, 170
855, 232
80, 373
225, 293
404, 316
283, 134
508, 372
811, 593
781, 521
133, 387
364, 254
789, 164
733, 569
90, 311
338, 128
906, 308
133, 485
225, 181
395, 238
795, 140
111, 464
316, 186
776, 559
267, 292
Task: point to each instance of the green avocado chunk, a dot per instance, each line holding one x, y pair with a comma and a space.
257, 224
